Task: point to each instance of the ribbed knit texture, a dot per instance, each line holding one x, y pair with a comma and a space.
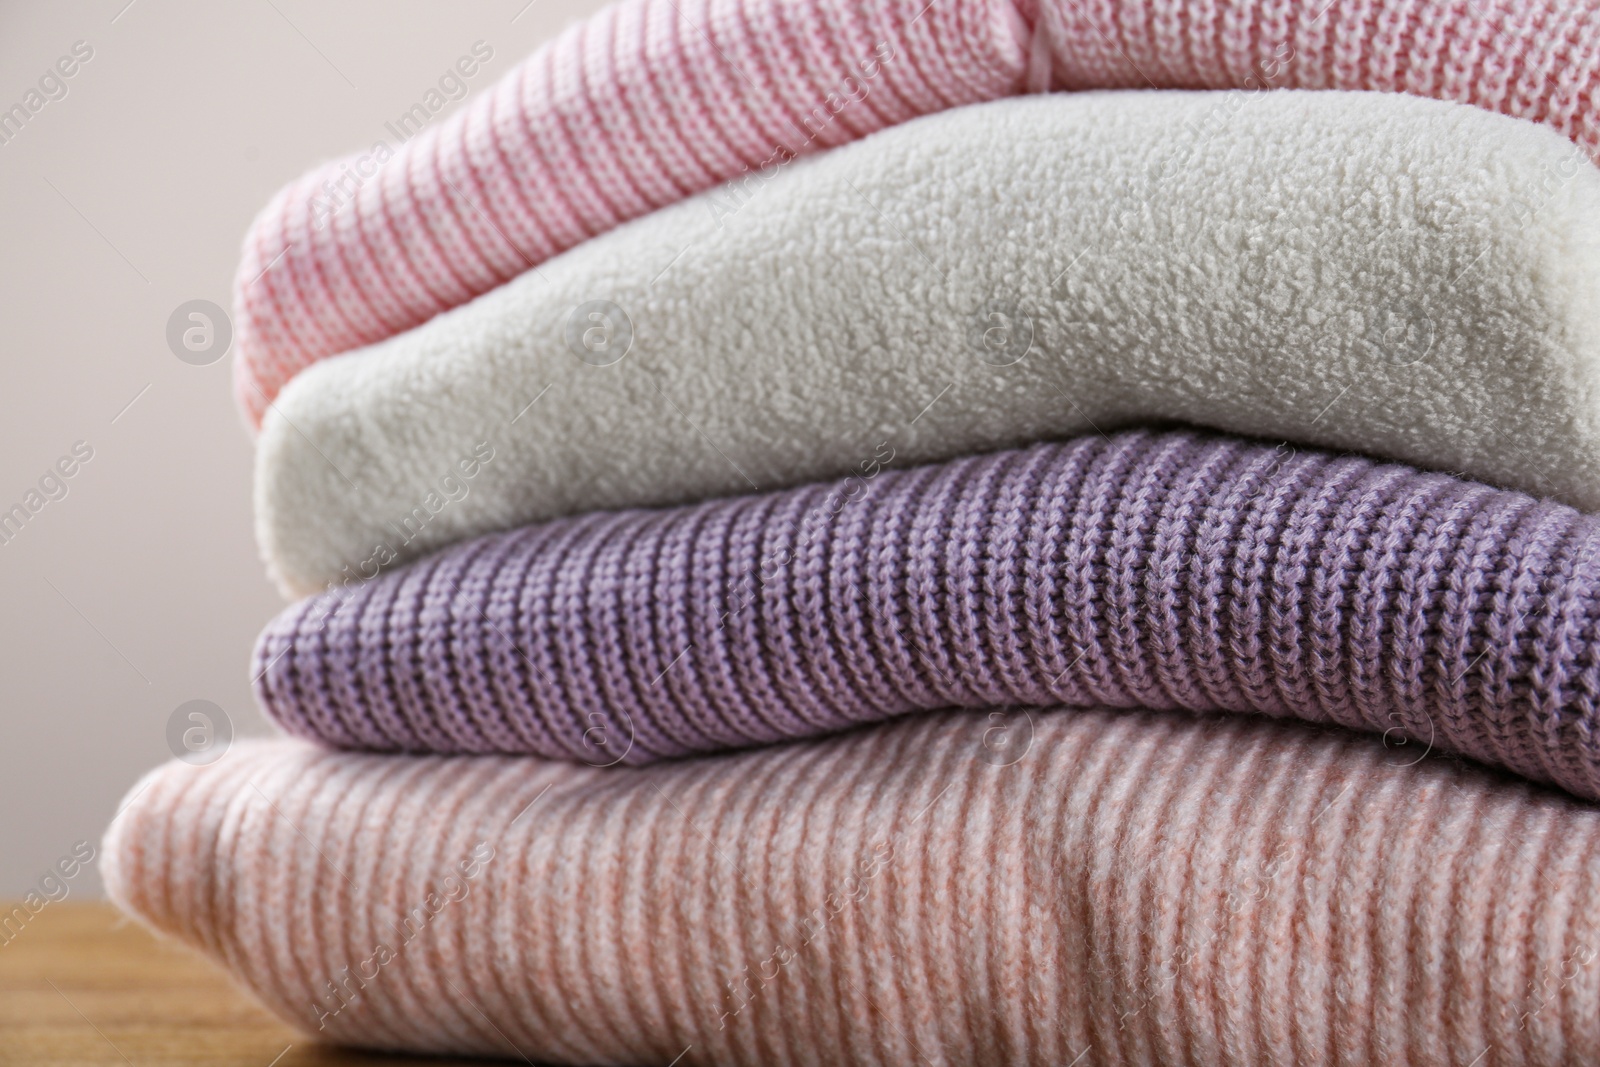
1156, 569
649, 101
1135, 888
638, 106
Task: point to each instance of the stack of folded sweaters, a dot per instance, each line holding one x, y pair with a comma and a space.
800, 497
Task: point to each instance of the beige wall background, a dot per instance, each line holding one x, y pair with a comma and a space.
139, 589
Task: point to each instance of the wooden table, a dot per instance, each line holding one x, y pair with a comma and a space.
80, 986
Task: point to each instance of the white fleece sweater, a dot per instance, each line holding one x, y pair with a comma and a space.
1399, 276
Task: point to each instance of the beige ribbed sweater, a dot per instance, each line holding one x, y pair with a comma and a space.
1096, 888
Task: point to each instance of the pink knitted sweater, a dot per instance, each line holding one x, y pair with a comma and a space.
650, 101
1076, 888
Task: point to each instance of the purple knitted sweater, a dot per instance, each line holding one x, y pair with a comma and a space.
1150, 569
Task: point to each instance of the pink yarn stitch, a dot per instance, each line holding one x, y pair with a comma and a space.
650, 101
1117, 888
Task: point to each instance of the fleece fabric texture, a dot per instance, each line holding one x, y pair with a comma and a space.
1090, 887
652, 100
1174, 570
1389, 274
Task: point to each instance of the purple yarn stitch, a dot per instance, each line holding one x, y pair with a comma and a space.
1147, 569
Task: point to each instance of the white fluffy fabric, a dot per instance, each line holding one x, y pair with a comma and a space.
1381, 273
